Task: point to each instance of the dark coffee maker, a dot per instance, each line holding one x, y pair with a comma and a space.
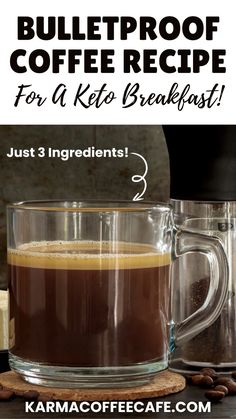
203, 194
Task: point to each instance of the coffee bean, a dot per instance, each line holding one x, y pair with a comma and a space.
231, 385
196, 379
222, 388
206, 381
222, 381
209, 371
6, 394
30, 395
19, 393
227, 382
234, 375
214, 396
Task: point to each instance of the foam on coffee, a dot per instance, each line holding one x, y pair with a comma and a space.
82, 255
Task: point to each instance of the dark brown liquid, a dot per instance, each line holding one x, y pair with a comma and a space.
89, 317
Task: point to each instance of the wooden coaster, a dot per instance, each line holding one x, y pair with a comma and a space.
163, 383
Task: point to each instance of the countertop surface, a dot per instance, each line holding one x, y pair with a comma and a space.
192, 398
15, 409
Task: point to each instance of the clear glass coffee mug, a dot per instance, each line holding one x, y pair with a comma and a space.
215, 346
89, 291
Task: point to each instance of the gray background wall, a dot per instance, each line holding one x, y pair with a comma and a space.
26, 179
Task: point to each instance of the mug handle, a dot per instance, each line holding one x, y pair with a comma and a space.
188, 241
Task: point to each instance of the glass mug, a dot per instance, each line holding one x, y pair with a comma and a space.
215, 346
89, 289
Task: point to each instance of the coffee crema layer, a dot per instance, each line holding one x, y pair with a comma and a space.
87, 255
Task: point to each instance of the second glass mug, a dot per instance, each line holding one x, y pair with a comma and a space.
89, 289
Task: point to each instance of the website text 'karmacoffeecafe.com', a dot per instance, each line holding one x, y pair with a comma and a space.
118, 407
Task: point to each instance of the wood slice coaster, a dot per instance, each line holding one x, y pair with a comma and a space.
163, 383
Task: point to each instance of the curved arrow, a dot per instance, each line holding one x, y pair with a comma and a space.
140, 178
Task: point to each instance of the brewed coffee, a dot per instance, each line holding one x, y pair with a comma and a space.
85, 304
